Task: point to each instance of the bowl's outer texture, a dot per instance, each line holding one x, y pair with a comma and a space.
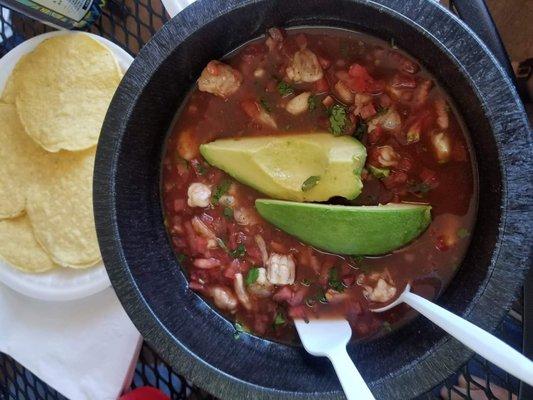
197, 340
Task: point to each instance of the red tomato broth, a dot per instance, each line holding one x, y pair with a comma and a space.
450, 187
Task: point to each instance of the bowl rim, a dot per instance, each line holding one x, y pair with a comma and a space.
503, 110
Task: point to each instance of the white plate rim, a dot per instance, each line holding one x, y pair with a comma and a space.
58, 284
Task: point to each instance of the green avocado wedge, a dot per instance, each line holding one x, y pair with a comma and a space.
364, 230
298, 167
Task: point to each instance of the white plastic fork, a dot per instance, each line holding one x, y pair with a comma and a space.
328, 338
482, 342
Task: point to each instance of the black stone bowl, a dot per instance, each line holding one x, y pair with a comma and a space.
197, 340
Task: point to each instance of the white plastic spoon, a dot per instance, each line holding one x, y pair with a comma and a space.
482, 342
328, 338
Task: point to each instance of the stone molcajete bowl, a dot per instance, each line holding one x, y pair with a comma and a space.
197, 340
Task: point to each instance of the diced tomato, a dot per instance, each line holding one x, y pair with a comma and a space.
358, 71
322, 85
284, 294
197, 244
368, 111
298, 297
403, 63
328, 102
385, 101
254, 50
348, 280
145, 393
429, 177
421, 93
183, 169
278, 247
395, 180
297, 312
254, 254
230, 271
375, 135
403, 81
362, 81
212, 67
324, 62
251, 108
233, 234
405, 164
261, 323
179, 204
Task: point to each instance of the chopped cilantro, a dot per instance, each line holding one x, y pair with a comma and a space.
181, 258
419, 189
387, 326
361, 129
310, 183
199, 168
279, 319
238, 252
220, 191
379, 173
252, 275
337, 119
228, 213
265, 105
357, 259
462, 233
311, 103
334, 282
305, 282
321, 297
285, 89
238, 330
380, 110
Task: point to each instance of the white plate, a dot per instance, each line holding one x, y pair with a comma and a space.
60, 284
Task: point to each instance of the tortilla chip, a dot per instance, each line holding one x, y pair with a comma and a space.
20, 159
8, 95
62, 91
20, 249
60, 208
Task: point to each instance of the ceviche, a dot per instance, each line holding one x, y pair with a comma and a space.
315, 172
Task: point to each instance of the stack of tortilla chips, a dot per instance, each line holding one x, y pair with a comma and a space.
51, 113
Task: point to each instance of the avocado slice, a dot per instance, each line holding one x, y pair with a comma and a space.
365, 230
301, 167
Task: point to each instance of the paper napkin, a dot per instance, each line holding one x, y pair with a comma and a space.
85, 349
